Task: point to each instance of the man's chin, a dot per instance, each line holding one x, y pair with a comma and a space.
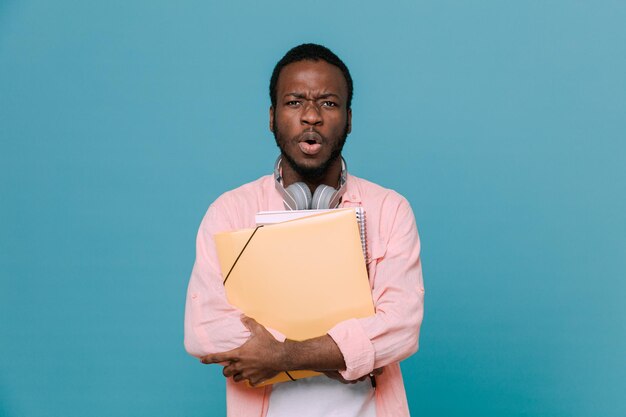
311, 172
309, 169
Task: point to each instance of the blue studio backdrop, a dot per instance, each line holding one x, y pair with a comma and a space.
502, 122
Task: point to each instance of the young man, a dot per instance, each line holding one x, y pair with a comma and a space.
311, 117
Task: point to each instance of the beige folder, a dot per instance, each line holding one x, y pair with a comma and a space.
299, 277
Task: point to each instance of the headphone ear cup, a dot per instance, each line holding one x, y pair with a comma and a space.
322, 196
301, 195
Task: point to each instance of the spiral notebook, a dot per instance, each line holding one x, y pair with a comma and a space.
272, 217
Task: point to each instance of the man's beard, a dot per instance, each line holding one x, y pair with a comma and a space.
314, 172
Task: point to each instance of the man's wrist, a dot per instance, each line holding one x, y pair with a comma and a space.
287, 355
317, 353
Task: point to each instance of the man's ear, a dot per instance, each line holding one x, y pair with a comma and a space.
271, 118
349, 120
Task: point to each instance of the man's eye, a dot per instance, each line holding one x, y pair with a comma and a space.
329, 104
293, 103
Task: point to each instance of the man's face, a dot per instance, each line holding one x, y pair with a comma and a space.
311, 121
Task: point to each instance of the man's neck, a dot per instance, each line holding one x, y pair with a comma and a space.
330, 177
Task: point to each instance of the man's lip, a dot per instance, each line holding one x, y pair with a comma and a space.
310, 136
310, 149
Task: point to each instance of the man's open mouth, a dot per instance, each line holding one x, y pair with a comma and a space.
310, 143
311, 138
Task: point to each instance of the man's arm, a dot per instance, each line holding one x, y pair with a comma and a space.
211, 323
392, 334
262, 356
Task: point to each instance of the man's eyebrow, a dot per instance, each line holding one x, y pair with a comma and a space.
302, 95
295, 94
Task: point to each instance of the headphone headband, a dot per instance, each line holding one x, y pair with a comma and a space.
289, 200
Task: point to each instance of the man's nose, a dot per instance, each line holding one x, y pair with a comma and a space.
311, 114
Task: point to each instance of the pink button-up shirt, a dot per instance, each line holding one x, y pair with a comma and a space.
395, 274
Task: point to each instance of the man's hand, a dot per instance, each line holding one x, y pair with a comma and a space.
257, 360
337, 376
262, 356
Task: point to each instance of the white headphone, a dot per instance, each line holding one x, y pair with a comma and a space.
298, 195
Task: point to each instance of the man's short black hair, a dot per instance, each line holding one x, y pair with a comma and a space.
310, 52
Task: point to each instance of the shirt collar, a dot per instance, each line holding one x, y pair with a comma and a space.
353, 193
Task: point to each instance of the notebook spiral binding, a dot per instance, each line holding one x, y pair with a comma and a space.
360, 216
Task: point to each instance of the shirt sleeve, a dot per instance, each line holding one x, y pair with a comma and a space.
392, 333
212, 325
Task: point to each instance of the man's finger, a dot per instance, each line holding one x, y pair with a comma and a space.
215, 358
231, 370
230, 356
336, 376
250, 323
255, 382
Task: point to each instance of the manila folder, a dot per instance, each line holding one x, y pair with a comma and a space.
299, 277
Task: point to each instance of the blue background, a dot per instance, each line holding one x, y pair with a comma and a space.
502, 122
